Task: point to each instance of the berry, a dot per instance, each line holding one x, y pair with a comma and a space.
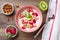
21, 16
24, 26
13, 31
34, 14
31, 26
8, 29
24, 21
31, 23
34, 21
30, 10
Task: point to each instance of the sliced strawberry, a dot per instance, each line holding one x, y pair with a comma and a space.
24, 21
13, 31
31, 26
34, 21
24, 26
8, 29
30, 10
21, 16
34, 14
31, 23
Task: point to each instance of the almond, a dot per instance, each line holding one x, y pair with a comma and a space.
17, 5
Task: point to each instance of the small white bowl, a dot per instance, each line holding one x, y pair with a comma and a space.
14, 27
4, 5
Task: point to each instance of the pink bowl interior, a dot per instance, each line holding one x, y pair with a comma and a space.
20, 10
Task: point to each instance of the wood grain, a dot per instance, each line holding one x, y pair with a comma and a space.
4, 23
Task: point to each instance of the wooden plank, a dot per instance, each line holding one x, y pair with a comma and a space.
4, 23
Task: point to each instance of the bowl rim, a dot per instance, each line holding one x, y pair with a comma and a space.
14, 27
5, 4
16, 21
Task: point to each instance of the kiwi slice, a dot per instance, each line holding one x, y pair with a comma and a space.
8, 35
28, 15
27, 26
43, 5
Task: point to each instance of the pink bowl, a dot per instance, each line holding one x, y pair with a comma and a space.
20, 10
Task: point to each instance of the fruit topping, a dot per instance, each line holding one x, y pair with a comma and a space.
13, 31
28, 26
24, 26
31, 26
34, 21
29, 10
21, 16
31, 23
34, 14
28, 15
24, 21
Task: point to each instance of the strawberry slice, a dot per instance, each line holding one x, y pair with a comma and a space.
8, 29
31, 26
34, 21
24, 21
13, 31
21, 16
30, 10
31, 23
24, 26
34, 14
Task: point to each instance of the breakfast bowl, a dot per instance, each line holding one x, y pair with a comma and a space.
7, 8
11, 31
28, 18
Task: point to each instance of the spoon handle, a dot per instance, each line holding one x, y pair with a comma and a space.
39, 31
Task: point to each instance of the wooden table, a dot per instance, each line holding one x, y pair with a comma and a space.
4, 22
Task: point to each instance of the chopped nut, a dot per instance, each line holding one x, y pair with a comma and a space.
17, 5
7, 8
7, 19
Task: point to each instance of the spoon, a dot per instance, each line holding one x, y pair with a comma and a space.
49, 18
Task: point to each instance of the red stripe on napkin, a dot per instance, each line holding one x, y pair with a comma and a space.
53, 20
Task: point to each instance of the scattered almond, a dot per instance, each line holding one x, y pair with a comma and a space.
17, 5
7, 19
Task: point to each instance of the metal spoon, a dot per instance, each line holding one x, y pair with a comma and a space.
49, 18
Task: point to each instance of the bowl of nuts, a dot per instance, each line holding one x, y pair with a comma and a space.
7, 8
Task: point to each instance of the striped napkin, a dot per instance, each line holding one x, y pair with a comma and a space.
52, 28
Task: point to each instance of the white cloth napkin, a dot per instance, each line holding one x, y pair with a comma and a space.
52, 28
